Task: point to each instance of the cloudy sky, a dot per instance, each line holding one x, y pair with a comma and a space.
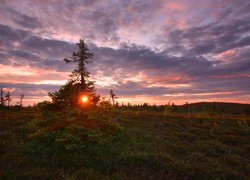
145, 50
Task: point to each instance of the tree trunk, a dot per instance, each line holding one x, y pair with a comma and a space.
81, 68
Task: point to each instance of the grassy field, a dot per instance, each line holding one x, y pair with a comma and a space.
138, 145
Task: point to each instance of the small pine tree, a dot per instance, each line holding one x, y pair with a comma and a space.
2, 98
8, 98
112, 96
21, 100
78, 84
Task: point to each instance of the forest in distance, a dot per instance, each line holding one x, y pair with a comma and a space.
79, 135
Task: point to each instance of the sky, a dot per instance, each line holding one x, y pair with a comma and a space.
152, 51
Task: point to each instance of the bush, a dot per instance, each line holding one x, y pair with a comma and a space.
55, 148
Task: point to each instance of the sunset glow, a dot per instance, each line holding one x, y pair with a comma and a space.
84, 99
145, 50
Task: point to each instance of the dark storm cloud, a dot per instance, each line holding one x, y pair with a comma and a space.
48, 47
27, 21
9, 35
212, 38
4, 58
20, 53
143, 58
33, 50
29, 89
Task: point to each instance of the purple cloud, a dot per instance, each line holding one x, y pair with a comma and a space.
169, 49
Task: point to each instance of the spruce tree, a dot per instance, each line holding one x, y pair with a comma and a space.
78, 84
21, 100
81, 57
112, 96
8, 98
2, 98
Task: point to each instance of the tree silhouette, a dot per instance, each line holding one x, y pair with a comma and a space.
81, 57
21, 100
113, 96
8, 98
2, 98
78, 84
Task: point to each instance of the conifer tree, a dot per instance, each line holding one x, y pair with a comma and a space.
21, 100
8, 98
81, 57
113, 96
2, 98
78, 84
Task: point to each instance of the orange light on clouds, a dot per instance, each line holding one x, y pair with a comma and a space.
84, 99
175, 6
22, 70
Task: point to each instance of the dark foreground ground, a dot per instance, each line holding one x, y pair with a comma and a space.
142, 145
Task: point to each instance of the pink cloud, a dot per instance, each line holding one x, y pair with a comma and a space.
173, 5
26, 74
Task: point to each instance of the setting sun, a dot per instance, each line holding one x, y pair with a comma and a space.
84, 99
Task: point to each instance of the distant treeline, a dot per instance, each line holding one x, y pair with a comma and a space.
5, 99
202, 107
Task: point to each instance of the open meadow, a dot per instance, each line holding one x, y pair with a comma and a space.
116, 89
136, 144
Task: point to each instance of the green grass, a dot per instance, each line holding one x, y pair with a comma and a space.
143, 145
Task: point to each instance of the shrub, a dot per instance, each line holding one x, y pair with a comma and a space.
56, 148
